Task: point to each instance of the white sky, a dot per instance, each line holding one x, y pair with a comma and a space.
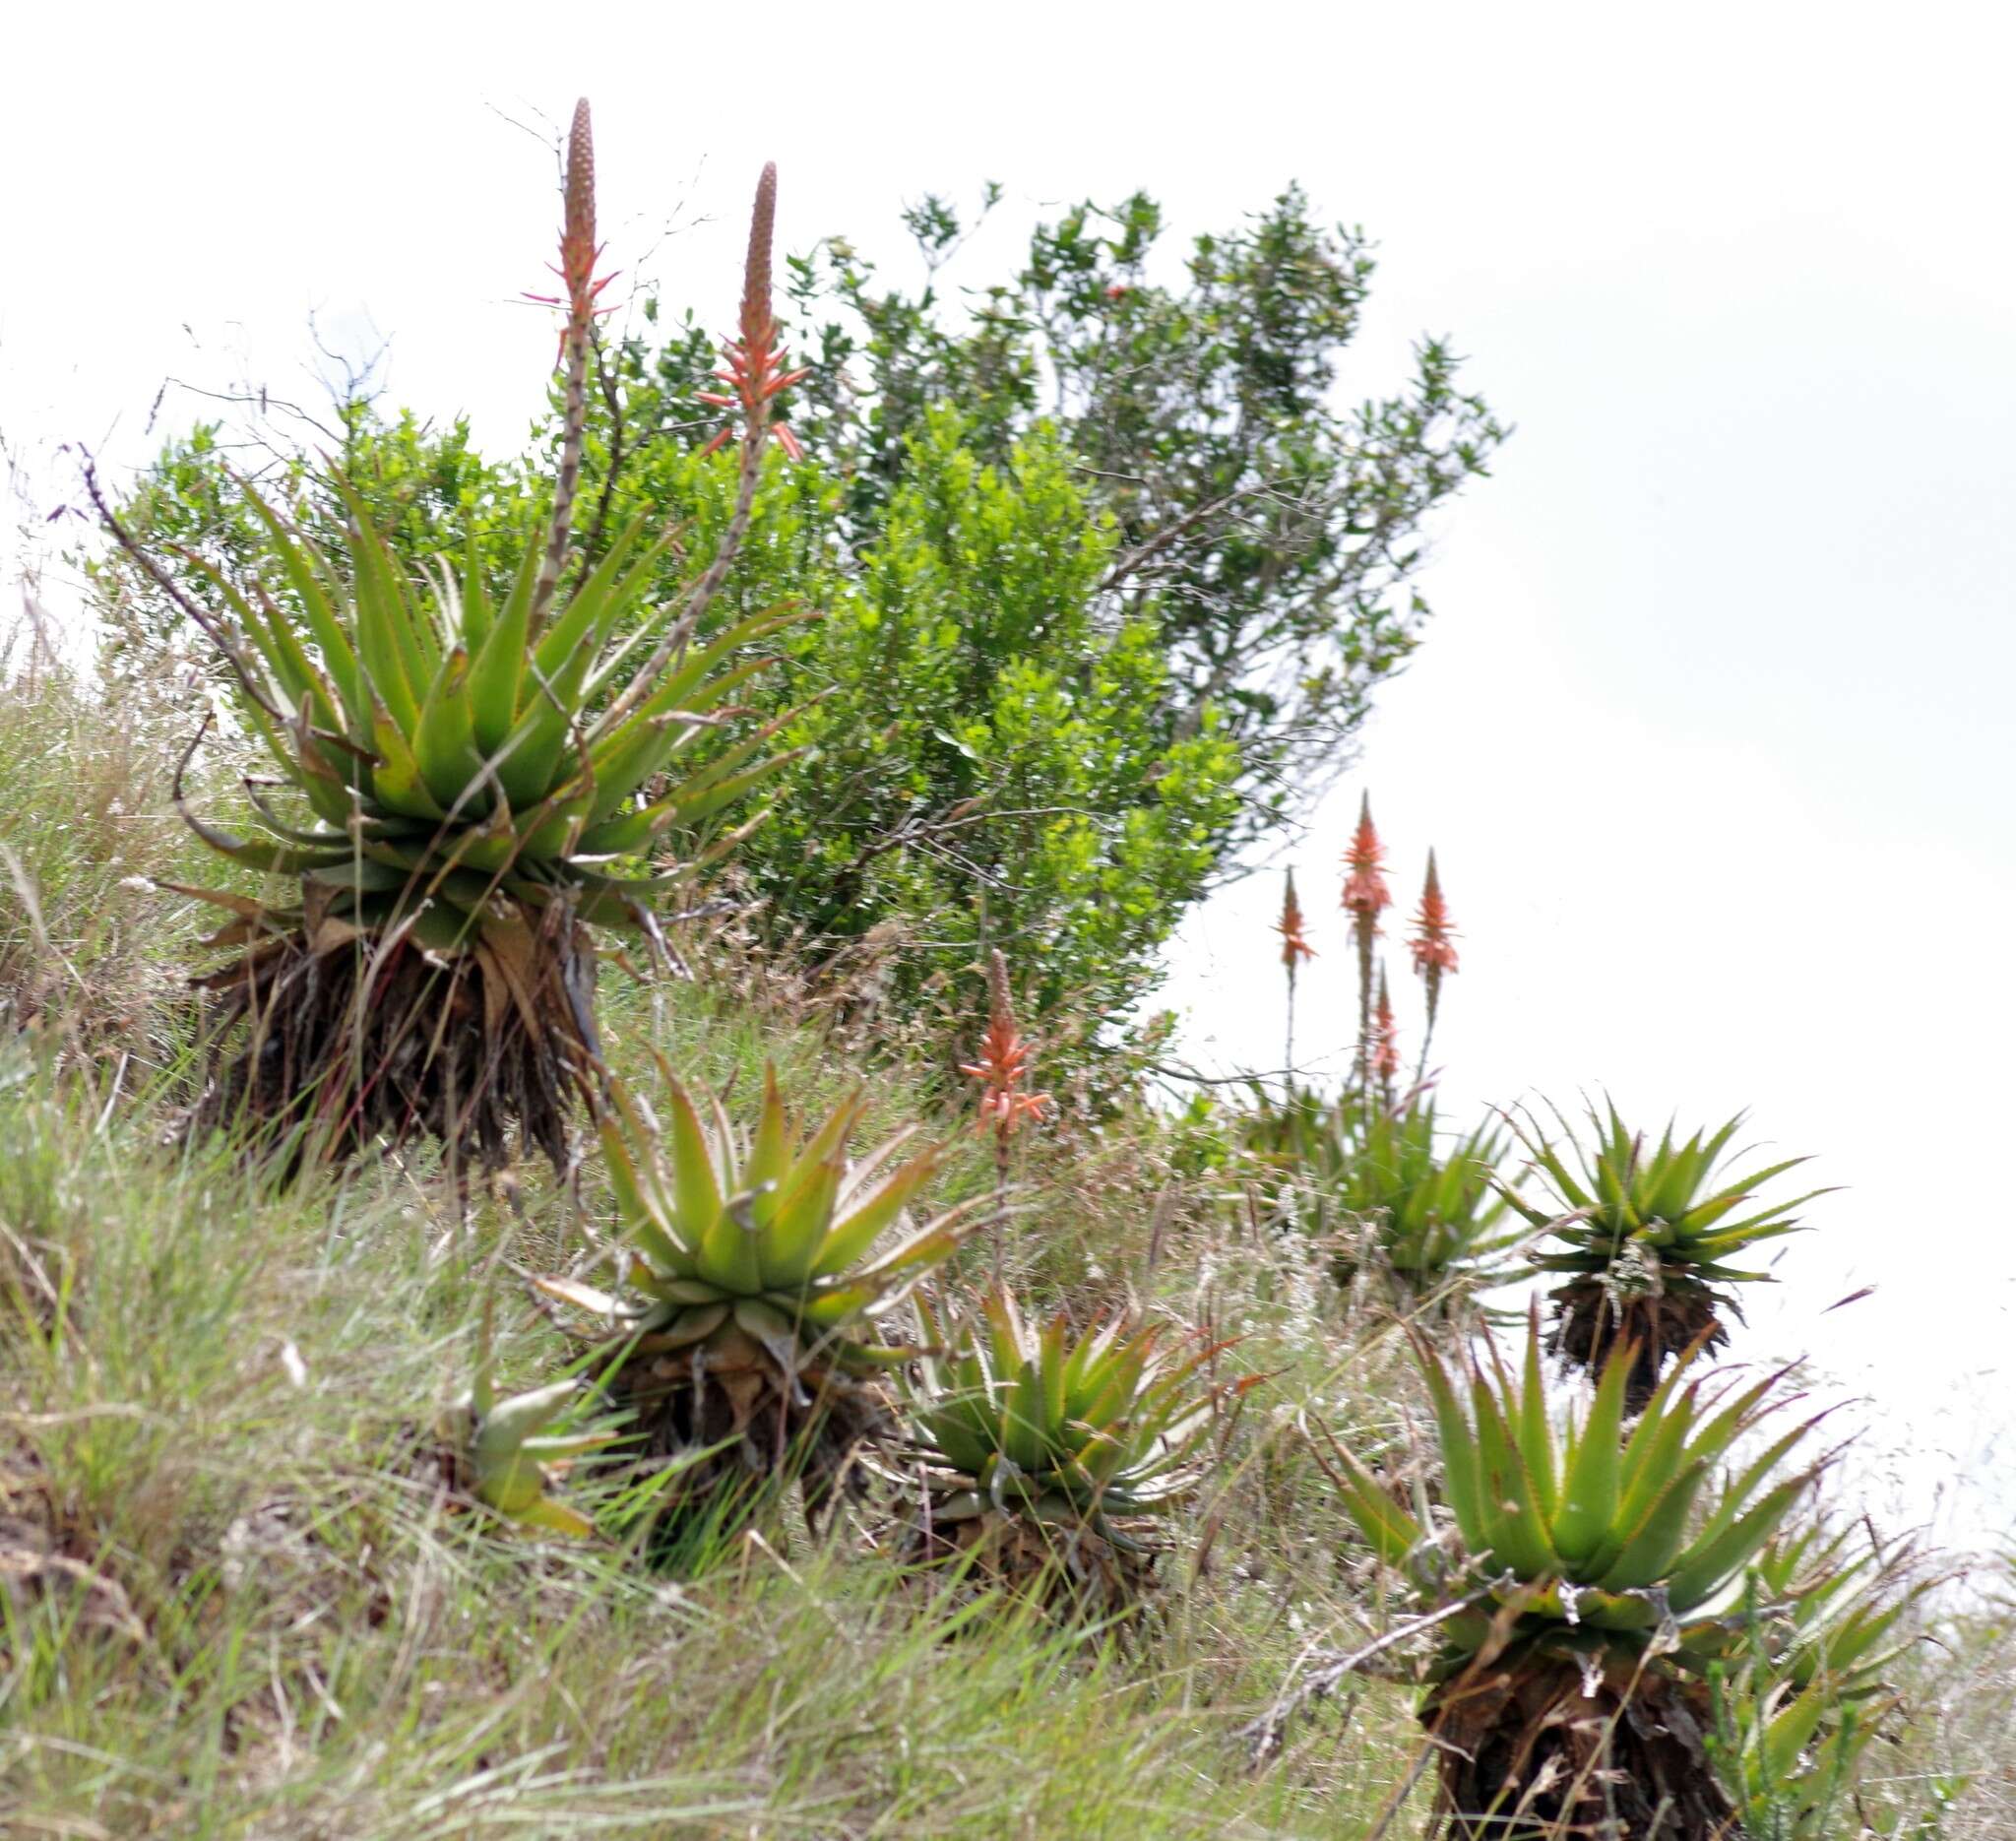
1710, 730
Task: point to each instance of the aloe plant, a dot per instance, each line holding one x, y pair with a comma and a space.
1585, 1581
498, 1451
1390, 1188
1805, 1691
1049, 1457
742, 1342
1644, 1232
475, 781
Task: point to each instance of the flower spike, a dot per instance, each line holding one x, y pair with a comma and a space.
1364, 888
1004, 1061
756, 369
1434, 955
1365, 894
1295, 942
578, 250
579, 253
1433, 930
1295, 946
1385, 1037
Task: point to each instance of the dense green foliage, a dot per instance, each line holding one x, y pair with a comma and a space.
1273, 535
1108, 580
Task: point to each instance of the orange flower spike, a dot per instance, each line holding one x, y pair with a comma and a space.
1385, 1037
755, 364
579, 251
1004, 1061
1432, 945
578, 248
1294, 947
1365, 894
1433, 953
1364, 888
1295, 942
578, 255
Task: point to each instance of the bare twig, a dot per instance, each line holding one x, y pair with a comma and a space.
1162, 539
1267, 1732
211, 629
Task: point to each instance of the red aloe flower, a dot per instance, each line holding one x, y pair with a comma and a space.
579, 251
1365, 894
1433, 954
1004, 1062
756, 372
1295, 943
1385, 1037
1364, 888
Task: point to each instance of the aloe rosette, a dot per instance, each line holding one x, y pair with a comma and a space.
1586, 1579
1391, 1187
499, 1452
1806, 1691
1051, 1456
1645, 1233
745, 1338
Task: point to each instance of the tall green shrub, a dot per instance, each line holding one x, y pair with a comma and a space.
1108, 577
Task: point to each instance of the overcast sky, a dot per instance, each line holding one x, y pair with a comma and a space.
1711, 729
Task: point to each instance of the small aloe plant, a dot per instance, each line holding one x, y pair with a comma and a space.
1585, 1579
1643, 1234
1389, 1187
497, 1451
746, 1346
1805, 1693
1051, 1456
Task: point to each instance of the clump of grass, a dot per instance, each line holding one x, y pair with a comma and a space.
216, 1396
85, 954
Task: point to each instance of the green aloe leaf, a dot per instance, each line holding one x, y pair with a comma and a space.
299, 565
444, 740
1592, 1483
1517, 1536
1462, 1482
498, 668
857, 1230
696, 1193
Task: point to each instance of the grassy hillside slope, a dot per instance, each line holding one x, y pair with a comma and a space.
238, 1601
